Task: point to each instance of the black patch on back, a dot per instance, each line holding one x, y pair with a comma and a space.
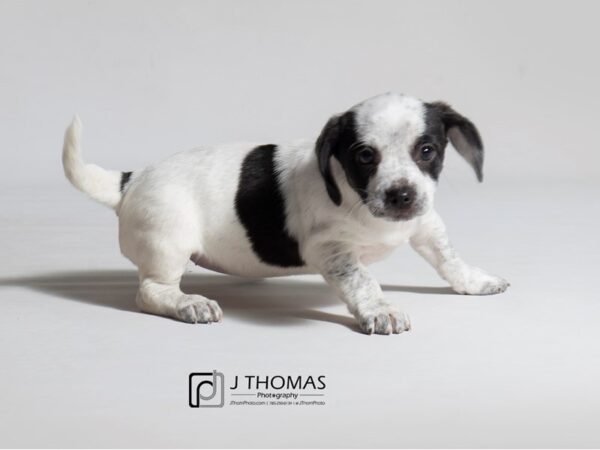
260, 207
125, 176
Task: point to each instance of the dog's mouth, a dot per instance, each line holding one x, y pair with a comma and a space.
397, 214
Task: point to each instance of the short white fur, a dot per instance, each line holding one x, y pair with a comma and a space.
184, 208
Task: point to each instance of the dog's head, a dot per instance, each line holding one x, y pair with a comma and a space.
391, 149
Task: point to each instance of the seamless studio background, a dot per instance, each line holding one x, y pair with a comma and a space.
149, 78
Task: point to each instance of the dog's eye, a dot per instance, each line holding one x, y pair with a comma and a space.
427, 152
366, 156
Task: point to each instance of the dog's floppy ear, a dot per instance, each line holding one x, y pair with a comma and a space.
463, 135
325, 148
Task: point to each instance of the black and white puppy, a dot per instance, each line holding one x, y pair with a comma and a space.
331, 207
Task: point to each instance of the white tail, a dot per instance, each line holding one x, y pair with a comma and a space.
100, 184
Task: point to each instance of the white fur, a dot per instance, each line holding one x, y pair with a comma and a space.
100, 184
391, 123
183, 208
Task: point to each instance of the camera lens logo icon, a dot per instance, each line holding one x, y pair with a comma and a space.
206, 389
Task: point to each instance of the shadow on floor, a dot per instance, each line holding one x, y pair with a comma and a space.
273, 302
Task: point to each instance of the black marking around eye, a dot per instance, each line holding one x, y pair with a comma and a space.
435, 135
125, 177
357, 174
260, 207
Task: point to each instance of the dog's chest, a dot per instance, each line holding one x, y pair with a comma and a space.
375, 251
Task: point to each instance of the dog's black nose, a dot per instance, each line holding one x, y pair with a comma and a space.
400, 197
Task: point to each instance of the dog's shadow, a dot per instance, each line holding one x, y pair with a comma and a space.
273, 302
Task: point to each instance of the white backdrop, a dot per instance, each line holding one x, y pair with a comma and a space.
80, 366
152, 77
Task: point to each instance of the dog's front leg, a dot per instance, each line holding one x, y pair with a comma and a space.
343, 271
432, 243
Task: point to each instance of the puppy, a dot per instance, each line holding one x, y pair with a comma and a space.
330, 207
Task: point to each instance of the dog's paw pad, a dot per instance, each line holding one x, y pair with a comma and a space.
383, 319
197, 309
496, 286
478, 282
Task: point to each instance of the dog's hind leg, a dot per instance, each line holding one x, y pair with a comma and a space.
160, 294
159, 229
155, 297
160, 246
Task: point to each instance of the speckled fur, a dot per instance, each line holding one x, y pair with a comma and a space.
184, 208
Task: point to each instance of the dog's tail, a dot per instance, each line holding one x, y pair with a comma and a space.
105, 186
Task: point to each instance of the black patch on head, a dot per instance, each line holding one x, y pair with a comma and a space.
340, 139
434, 136
260, 207
443, 121
125, 176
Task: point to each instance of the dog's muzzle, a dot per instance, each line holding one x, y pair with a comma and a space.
401, 202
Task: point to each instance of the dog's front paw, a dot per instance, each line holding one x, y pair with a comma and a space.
381, 318
478, 282
198, 309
